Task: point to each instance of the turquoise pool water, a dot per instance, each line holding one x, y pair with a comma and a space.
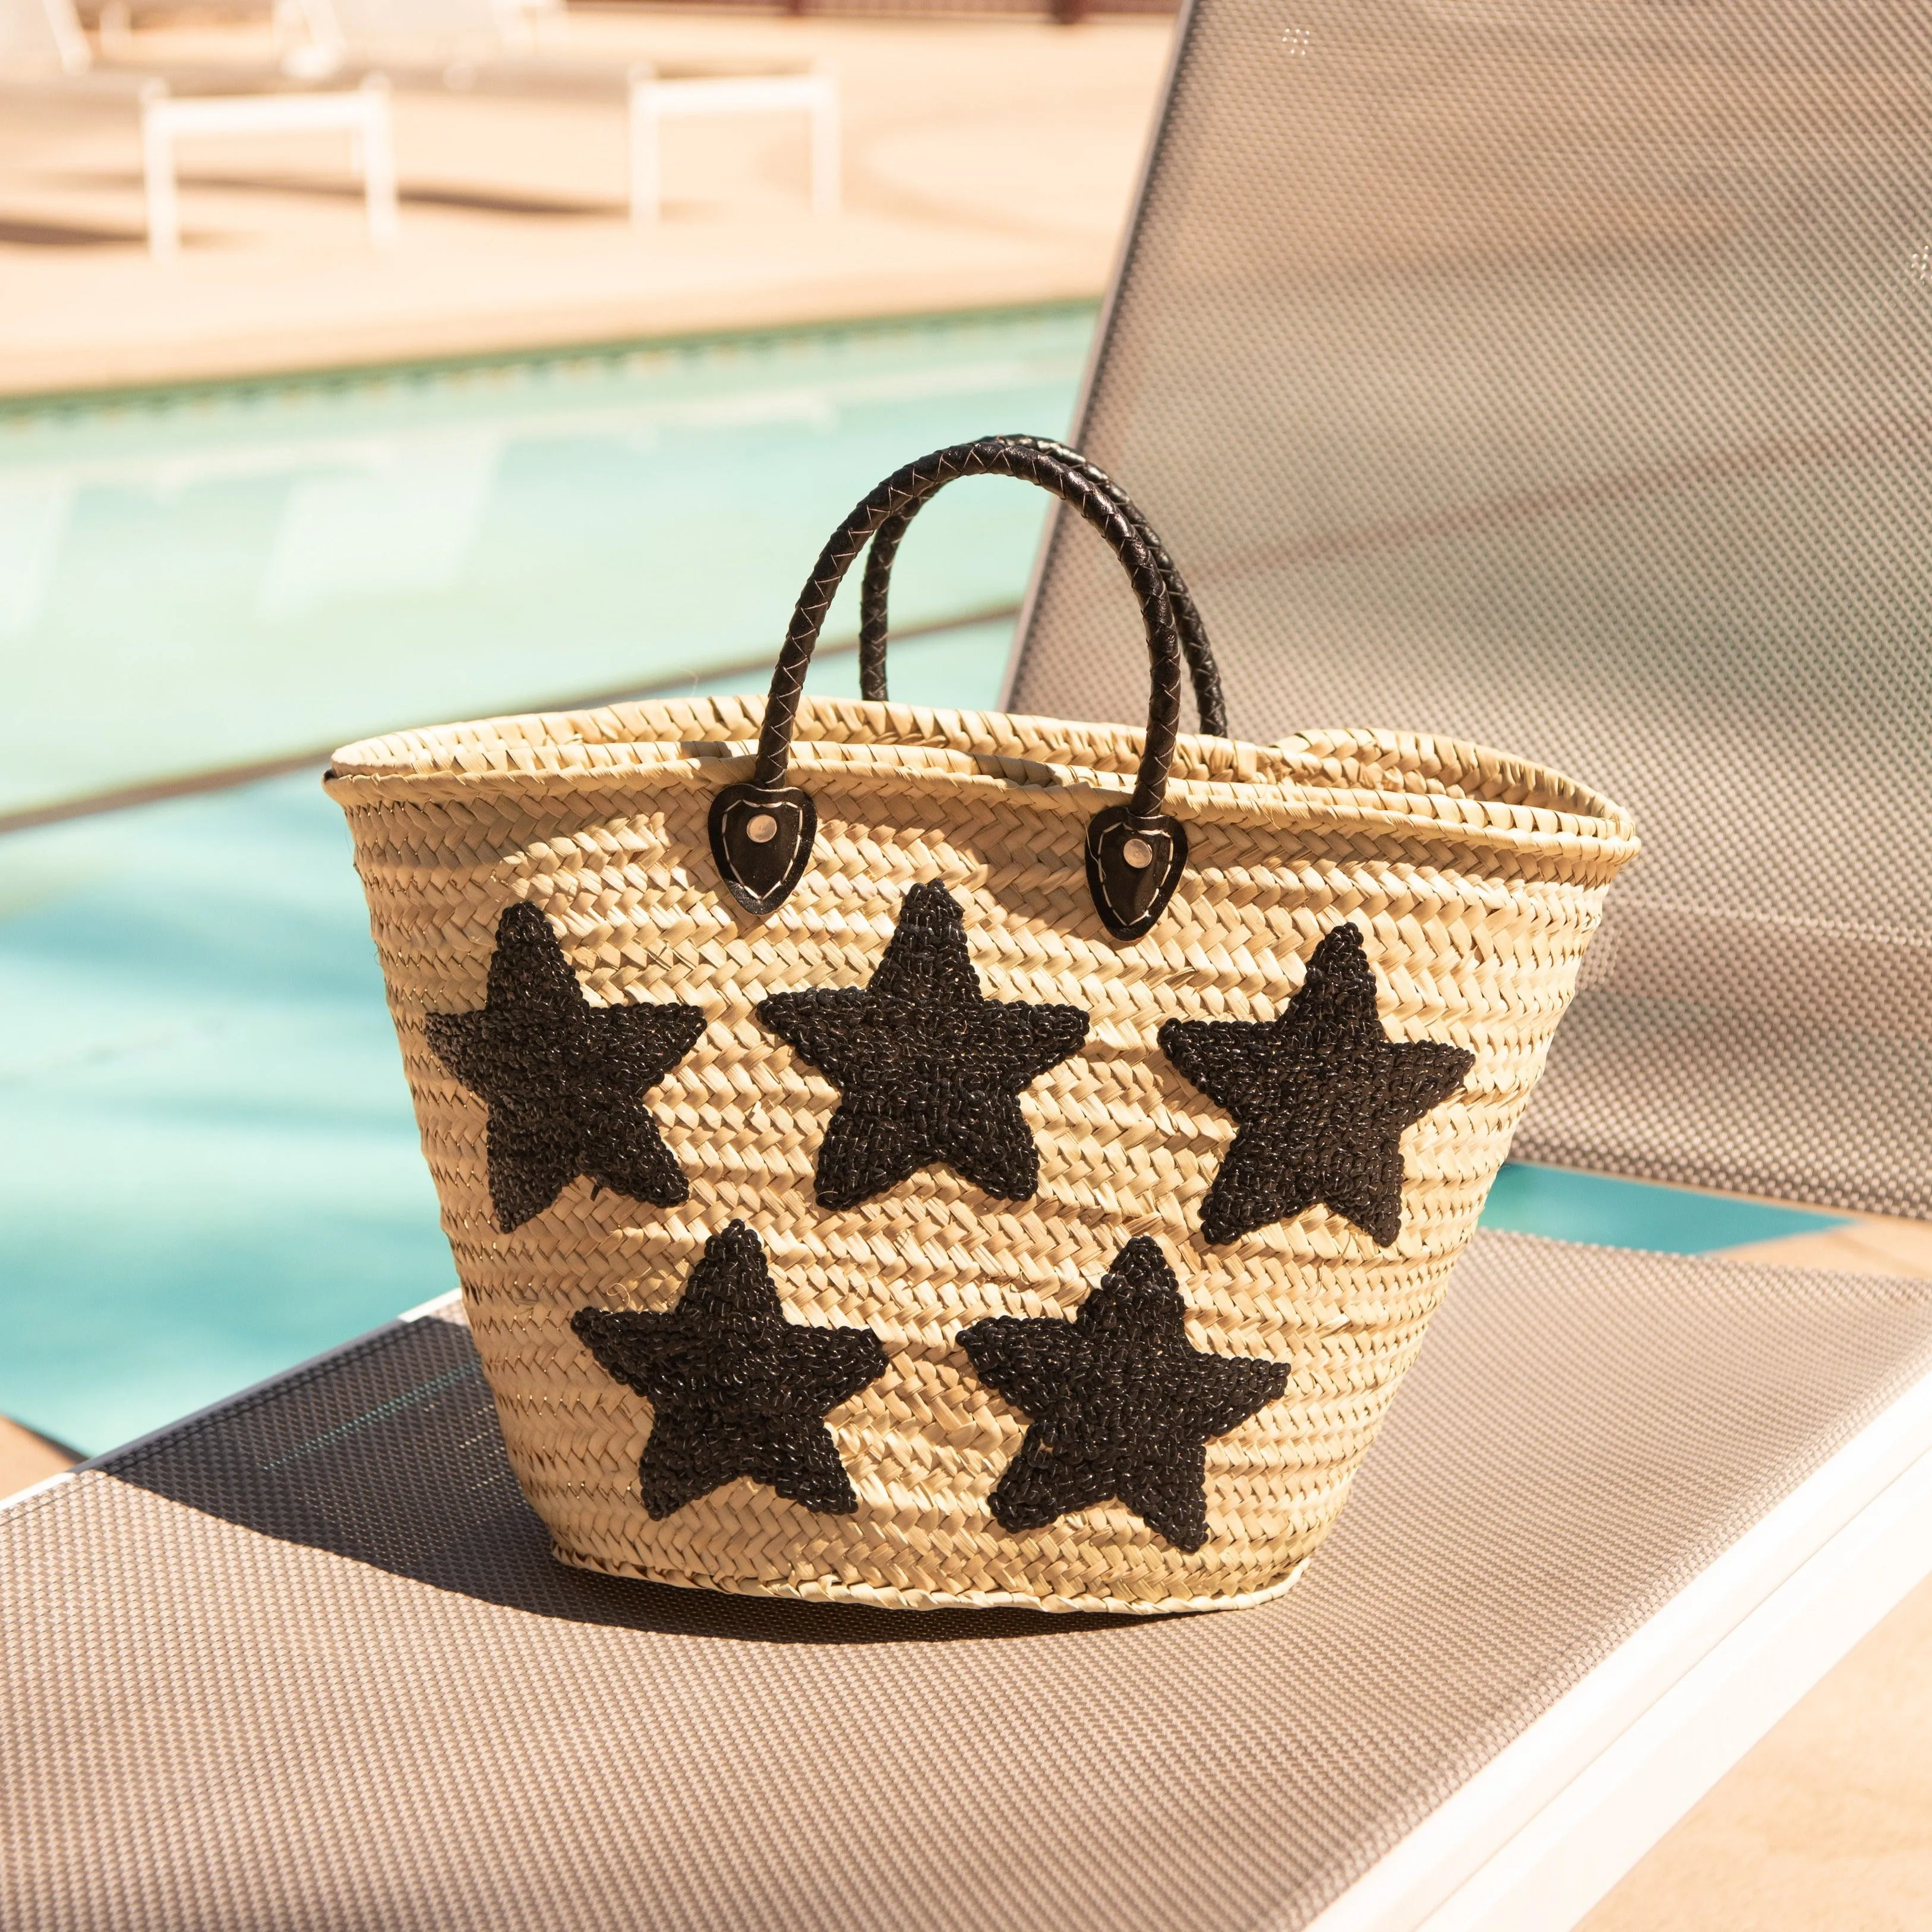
1572, 1207
208, 1168
212, 576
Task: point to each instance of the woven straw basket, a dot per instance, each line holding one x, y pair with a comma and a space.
698, 859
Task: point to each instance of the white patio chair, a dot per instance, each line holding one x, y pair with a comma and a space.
44, 55
663, 92
491, 46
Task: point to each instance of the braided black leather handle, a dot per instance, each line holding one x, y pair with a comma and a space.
762, 831
1208, 701
899, 496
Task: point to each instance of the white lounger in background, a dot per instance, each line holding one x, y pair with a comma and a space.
483, 47
447, 46
44, 54
361, 113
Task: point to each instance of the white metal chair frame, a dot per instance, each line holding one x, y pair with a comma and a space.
1543, 1830
654, 100
361, 113
47, 35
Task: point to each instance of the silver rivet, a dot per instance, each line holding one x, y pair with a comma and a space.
1139, 854
762, 830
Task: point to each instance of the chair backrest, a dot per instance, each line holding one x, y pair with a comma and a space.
1555, 373
41, 36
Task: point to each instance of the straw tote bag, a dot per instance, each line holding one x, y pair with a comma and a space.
929, 1157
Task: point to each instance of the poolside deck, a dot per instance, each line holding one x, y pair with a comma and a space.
1822, 1826
986, 163
26, 1459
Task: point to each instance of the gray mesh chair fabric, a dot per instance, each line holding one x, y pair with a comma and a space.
308, 1662
1554, 373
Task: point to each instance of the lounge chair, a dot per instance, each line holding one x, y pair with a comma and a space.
1537, 374
45, 57
305, 1660
481, 45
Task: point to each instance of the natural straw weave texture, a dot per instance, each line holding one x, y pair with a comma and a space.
1475, 879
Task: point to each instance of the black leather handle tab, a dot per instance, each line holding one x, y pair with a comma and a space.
761, 832
1209, 703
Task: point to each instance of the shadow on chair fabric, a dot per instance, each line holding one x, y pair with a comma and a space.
388, 1452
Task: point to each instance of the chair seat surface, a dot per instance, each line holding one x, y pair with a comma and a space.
307, 1660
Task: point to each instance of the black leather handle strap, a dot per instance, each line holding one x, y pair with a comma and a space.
897, 498
1208, 701
762, 831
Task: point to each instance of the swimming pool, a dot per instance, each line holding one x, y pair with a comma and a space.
208, 1168
215, 576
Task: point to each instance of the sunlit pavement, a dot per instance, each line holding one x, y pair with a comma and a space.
986, 162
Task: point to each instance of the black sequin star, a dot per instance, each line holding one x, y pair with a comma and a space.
565, 1080
735, 1389
1120, 1404
928, 1068
1322, 1095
